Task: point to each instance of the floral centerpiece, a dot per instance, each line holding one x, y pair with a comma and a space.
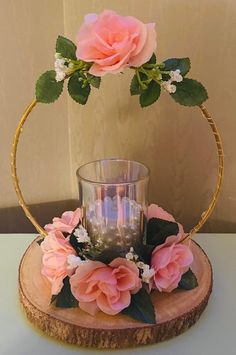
86, 275
82, 272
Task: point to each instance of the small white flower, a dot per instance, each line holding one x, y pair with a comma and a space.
71, 65
73, 261
176, 76
58, 55
81, 235
129, 256
60, 68
169, 87
147, 273
60, 75
140, 264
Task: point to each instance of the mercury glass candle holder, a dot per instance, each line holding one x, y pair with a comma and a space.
113, 195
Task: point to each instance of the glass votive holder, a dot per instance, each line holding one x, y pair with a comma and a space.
113, 195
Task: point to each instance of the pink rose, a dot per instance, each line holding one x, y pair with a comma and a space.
154, 211
108, 288
68, 221
55, 249
170, 263
114, 42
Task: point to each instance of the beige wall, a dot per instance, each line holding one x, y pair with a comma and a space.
28, 30
173, 141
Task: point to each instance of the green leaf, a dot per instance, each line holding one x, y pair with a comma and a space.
190, 92
65, 299
66, 47
135, 88
159, 229
47, 89
107, 255
141, 307
183, 64
150, 95
76, 90
188, 281
152, 60
95, 81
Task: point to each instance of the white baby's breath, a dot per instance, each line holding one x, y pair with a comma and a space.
168, 86
131, 255
147, 273
176, 76
73, 261
81, 235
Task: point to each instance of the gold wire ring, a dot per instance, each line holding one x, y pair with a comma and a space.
205, 215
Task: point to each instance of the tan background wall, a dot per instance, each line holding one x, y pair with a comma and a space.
27, 37
173, 141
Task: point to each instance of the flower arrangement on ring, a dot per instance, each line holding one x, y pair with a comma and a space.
113, 280
110, 43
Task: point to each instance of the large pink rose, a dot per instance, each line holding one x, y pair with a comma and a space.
170, 263
68, 221
55, 249
108, 288
114, 42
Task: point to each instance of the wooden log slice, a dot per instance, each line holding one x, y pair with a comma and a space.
176, 311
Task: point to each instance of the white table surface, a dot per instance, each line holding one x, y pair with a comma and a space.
214, 333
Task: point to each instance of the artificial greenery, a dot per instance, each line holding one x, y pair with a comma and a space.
148, 81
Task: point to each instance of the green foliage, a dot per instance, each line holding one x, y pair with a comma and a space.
95, 81
183, 64
135, 88
65, 299
66, 48
152, 60
77, 89
188, 281
47, 89
150, 95
190, 92
141, 307
159, 229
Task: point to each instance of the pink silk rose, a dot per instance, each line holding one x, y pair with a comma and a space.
108, 288
68, 221
154, 211
55, 249
169, 264
112, 42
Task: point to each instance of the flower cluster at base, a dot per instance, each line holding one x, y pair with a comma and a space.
87, 275
108, 43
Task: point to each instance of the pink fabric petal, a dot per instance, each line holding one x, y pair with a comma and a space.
89, 307
148, 49
154, 211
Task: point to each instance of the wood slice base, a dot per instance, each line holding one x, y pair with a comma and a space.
176, 311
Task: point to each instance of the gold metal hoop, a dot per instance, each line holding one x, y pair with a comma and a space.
205, 215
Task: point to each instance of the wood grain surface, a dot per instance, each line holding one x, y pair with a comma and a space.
175, 312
